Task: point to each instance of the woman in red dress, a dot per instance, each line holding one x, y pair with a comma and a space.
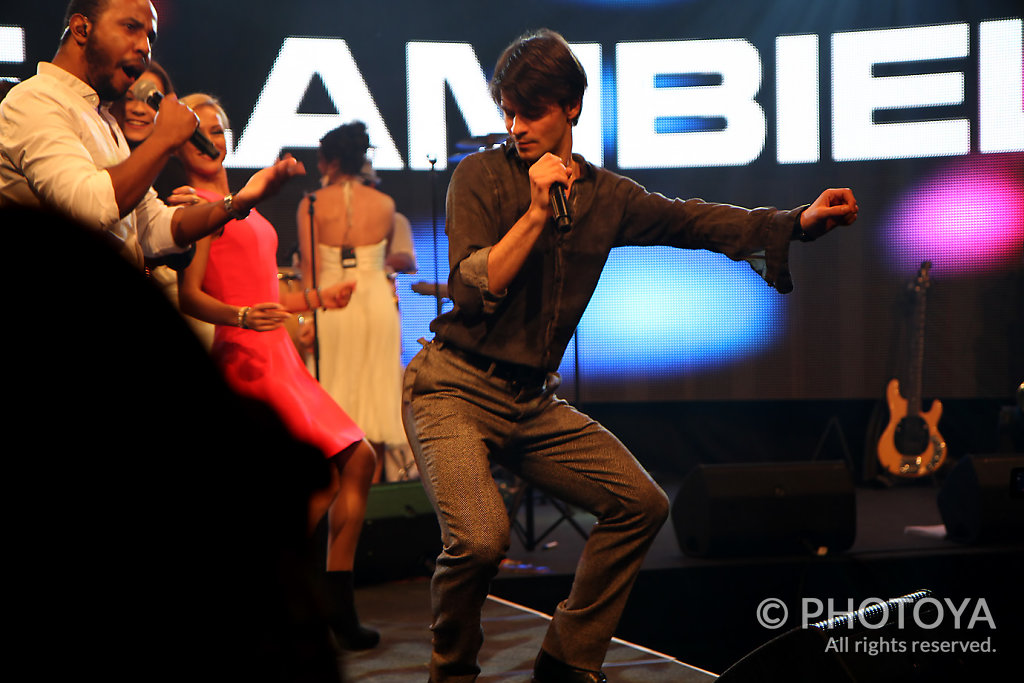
232, 283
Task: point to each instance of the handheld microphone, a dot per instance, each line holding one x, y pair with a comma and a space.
560, 207
147, 91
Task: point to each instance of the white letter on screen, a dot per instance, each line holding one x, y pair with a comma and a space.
587, 135
857, 94
429, 66
797, 105
641, 103
1000, 115
276, 122
12, 44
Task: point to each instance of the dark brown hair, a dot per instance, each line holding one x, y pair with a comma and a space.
537, 70
347, 145
90, 9
162, 74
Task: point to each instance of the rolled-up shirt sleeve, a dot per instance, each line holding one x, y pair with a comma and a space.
473, 272
472, 230
154, 226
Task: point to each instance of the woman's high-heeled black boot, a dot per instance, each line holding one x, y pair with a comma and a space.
341, 613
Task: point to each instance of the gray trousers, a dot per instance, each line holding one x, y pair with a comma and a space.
458, 418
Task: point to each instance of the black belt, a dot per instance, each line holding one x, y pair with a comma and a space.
520, 376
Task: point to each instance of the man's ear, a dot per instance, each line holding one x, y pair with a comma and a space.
572, 112
79, 27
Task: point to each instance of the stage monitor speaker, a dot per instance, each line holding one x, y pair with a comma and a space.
401, 538
982, 499
765, 509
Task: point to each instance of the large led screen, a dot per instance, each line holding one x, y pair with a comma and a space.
916, 105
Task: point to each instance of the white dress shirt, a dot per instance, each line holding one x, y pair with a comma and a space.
56, 142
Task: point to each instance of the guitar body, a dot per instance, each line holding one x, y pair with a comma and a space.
911, 445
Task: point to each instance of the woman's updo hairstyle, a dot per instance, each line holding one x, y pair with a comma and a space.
347, 145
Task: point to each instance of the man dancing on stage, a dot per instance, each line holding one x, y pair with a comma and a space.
483, 389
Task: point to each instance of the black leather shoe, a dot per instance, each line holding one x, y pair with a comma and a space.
547, 669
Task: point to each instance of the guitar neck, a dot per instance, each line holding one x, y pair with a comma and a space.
913, 388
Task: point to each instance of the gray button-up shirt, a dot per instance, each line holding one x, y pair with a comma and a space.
532, 322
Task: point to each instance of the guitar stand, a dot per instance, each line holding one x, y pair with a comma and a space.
833, 424
524, 499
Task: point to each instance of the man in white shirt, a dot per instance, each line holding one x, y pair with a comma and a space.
61, 149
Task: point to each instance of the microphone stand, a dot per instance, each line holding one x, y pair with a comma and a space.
576, 366
312, 269
433, 209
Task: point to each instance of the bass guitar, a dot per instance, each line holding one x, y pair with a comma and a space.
911, 445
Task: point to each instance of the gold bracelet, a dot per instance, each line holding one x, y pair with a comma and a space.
305, 295
242, 314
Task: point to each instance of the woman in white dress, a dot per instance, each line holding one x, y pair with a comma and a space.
360, 345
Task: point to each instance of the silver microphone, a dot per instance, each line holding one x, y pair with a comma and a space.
147, 91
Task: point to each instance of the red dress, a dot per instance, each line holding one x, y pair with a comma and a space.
242, 271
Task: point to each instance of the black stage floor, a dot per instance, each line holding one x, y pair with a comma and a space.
401, 610
691, 618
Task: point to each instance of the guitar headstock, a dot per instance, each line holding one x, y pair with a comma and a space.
921, 281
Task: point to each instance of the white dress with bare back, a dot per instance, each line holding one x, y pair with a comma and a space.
360, 351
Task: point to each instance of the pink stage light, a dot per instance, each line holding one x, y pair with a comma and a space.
967, 218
